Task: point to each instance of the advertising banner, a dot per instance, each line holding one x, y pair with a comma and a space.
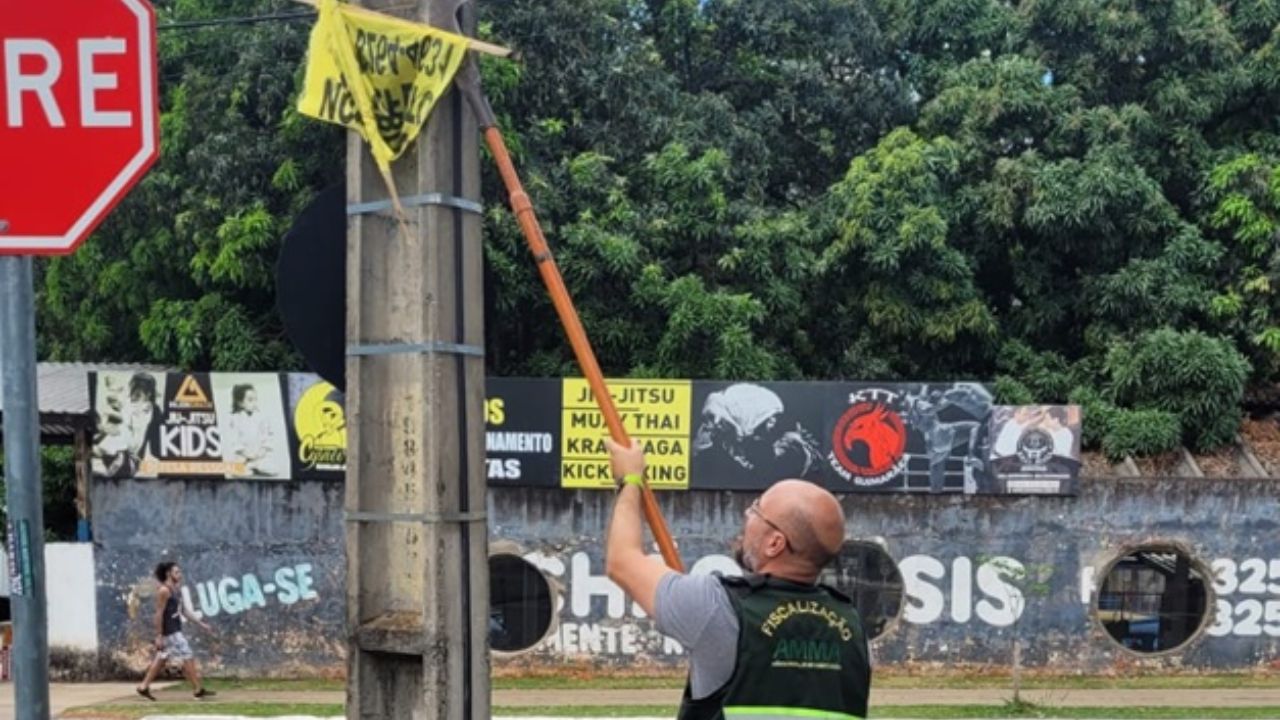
1036, 448
697, 434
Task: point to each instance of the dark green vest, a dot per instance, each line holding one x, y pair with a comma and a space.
801, 654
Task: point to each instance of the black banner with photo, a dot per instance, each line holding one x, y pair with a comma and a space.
699, 434
1035, 449
149, 425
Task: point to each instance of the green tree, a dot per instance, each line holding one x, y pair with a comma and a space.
58, 493
893, 274
1245, 196
1047, 194
675, 152
182, 271
1110, 195
1199, 378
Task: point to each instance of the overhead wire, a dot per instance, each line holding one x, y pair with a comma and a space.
238, 20
254, 19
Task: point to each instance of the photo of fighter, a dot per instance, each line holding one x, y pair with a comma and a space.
251, 424
949, 419
127, 422
745, 430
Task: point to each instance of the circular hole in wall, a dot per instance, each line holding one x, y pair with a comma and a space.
521, 604
866, 573
1153, 599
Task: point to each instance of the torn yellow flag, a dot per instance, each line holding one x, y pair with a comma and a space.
379, 76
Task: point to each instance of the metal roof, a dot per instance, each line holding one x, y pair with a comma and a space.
63, 392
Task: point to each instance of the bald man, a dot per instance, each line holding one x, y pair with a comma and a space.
772, 644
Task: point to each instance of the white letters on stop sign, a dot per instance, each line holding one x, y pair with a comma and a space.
41, 83
16, 83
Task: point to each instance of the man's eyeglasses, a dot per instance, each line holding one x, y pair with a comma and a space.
754, 509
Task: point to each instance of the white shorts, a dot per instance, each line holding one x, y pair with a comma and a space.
176, 648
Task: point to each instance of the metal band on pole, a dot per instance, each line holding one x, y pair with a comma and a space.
431, 348
424, 518
373, 206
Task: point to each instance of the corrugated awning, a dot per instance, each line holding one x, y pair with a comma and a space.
63, 393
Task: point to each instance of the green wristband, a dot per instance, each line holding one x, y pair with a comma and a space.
633, 479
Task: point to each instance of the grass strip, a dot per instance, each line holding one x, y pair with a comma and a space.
942, 682
131, 711
227, 685
604, 681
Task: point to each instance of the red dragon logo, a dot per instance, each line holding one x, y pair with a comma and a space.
869, 439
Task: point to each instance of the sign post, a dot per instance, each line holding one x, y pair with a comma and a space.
25, 531
78, 128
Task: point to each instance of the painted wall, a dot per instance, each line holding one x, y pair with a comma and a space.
73, 614
265, 561
264, 565
955, 555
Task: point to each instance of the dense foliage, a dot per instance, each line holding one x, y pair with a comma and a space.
1078, 200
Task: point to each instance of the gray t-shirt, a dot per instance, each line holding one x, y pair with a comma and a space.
696, 611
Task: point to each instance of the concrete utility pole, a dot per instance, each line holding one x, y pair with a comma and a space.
417, 538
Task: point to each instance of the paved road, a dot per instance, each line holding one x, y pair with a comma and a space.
71, 695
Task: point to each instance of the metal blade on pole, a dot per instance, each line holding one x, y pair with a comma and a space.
25, 532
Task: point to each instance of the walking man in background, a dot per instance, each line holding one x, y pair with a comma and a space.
170, 644
772, 644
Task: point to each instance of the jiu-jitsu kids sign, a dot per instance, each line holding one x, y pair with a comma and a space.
152, 424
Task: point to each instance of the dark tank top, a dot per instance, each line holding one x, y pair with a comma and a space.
172, 622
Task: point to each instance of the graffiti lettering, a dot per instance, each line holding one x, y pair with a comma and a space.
1241, 617
1246, 617
923, 577
231, 595
586, 586
596, 639
595, 613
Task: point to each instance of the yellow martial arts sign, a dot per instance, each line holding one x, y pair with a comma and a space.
377, 75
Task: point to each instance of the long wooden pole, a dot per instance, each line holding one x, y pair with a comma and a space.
528, 221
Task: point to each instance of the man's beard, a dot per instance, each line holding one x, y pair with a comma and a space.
745, 560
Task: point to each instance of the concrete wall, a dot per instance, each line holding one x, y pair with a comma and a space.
73, 613
954, 554
264, 564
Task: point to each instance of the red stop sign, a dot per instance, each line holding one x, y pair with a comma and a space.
78, 116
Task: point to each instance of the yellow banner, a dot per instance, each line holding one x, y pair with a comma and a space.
655, 413
377, 75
